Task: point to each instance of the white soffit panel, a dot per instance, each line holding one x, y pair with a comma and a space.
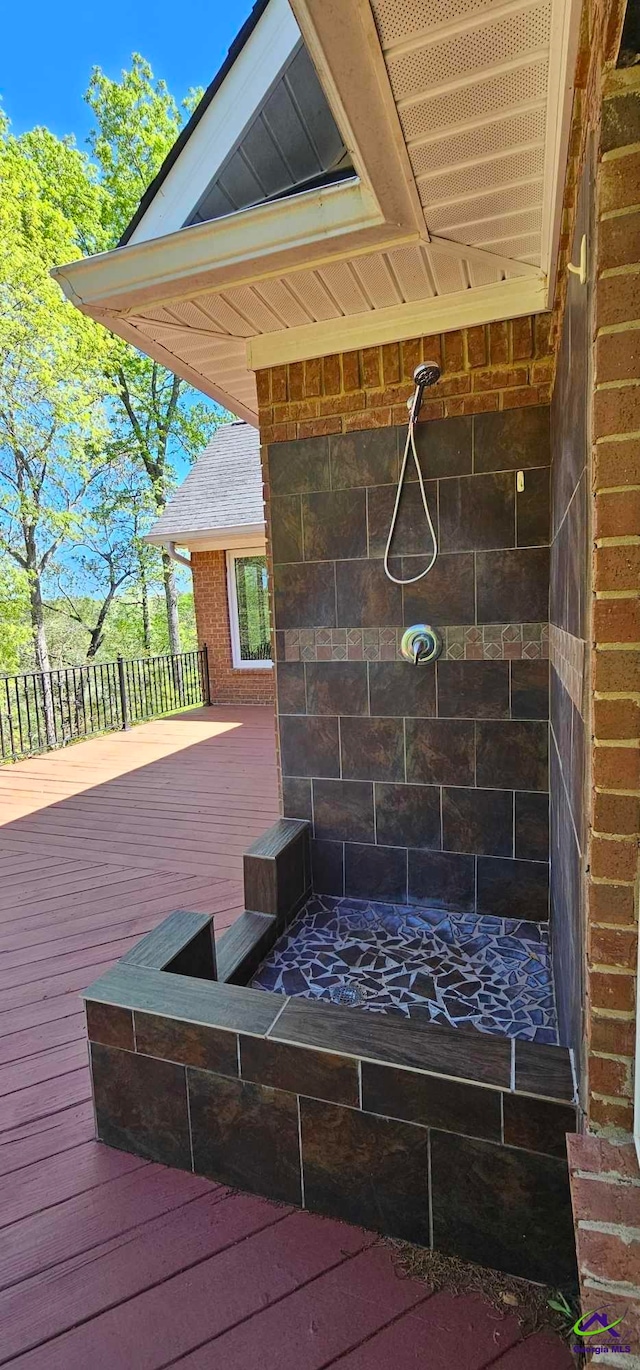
332, 291
209, 334
483, 92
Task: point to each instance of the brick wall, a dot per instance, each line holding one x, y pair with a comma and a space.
495, 366
605, 1190
228, 685
613, 886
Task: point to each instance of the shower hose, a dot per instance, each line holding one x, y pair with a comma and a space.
410, 445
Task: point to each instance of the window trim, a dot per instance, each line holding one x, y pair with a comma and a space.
237, 661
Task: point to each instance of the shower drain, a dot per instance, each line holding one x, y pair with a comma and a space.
347, 994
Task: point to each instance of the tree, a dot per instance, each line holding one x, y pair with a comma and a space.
109, 555
14, 617
102, 563
75, 401
53, 360
155, 415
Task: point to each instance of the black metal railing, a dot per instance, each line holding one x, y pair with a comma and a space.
40, 710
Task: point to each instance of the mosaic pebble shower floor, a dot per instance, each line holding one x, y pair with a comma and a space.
467, 970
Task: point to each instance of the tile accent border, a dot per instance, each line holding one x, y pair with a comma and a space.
367, 1119
567, 654
461, 642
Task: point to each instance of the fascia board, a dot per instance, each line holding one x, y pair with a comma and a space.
250, 243
254, 71
213, 539
484, 304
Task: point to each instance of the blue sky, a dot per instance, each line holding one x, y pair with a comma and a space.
48, 51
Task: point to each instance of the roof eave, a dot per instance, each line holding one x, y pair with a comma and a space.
212, 539
266, 239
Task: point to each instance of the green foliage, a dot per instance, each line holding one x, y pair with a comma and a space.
123, 635
253, 608
137, 122
15, 632
90, 430
156, 416
53, 360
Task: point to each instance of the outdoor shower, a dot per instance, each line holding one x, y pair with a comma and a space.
420, 643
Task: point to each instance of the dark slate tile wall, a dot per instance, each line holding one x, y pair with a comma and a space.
569, 594
427, 784
455, 1141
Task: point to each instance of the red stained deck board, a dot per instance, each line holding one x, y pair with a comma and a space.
47, 1136
55, 986
47, 1305
68, 879
58, 947
444, 1332
52, 1181
115, 900
19, 1046
35, 1012
77, 1225
15, 885
225, 1289
61, 964
46, 1065
539, 1352
323, 1319
50, 1096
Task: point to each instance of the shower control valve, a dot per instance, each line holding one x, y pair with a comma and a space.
421, 644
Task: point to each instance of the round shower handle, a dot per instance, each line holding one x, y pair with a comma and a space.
421, 644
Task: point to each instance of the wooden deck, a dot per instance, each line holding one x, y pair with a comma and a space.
114, 1263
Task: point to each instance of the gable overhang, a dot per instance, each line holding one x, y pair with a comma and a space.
264, 43
359, 263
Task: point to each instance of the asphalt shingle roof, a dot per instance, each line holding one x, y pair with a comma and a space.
223, 489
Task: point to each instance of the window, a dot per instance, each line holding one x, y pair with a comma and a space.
249, 609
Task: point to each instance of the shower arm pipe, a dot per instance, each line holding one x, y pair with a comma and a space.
170, 548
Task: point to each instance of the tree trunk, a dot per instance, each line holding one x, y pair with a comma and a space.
43, 663
171, 596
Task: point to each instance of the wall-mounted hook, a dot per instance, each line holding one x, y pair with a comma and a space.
581, 270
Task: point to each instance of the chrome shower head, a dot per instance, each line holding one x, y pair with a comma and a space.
426, 374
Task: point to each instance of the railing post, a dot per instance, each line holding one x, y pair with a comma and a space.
124, 704
206, 682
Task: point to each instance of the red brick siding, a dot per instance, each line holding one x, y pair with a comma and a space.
495, 366
605, 1192
228, 685
613, 861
